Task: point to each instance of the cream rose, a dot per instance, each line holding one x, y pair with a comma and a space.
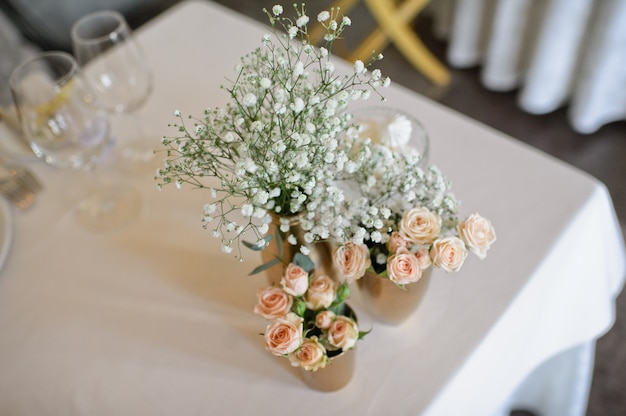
403, 267
420, 226
395, 242
423, 257
311, 355
448, 254
272, 303
321, 293
324, 318
478, 233
351, 261
343, 333
295, 281
284, 335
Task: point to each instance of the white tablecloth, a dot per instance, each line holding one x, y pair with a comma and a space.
155, 320
558, 52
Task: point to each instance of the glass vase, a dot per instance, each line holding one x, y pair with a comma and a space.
388, 303
394, 128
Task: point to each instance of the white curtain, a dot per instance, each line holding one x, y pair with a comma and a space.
557, 52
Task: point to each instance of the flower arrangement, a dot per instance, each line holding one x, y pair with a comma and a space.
280, 144
405, 219
285, 148
309, 320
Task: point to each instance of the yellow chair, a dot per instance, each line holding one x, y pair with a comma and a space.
393, 18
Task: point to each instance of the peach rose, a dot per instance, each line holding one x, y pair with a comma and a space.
272, 303
295, 281
395, 242
403, 267
420, 226
324, 318
343, 333
321, 293
311, 355
284, 335
351, 260
423, 257
448, 253
478, 233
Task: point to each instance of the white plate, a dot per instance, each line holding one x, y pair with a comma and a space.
6, 230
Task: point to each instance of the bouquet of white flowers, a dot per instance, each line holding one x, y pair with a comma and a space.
276, 147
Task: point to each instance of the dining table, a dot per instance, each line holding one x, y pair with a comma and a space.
153, 319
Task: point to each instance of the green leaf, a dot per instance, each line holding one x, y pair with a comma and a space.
299, 307
265, 266
279, 242
303, 261
363, 333
343, 292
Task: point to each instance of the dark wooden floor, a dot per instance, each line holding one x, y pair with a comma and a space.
602, 154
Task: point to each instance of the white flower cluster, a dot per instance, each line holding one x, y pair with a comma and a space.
385, 184
279, 145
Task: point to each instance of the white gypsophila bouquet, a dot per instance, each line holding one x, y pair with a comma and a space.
276, 147
387, 183
404, 219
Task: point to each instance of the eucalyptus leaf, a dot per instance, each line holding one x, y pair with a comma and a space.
265, 266
303, 261
279, 242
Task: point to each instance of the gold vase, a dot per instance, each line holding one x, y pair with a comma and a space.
336, 375
339, 371
320, 252
388, 303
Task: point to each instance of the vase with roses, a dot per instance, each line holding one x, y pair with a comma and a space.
310, 324
405, 222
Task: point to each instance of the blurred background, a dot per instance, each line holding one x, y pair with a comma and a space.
484, 68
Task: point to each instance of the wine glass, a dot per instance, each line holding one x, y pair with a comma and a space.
65, 130
117, 69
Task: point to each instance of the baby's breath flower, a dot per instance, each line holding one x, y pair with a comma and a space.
359, 67
302, 21
246, 210
278, 145
249, 100
323, 16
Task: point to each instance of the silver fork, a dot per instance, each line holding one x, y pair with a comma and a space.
19, 186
